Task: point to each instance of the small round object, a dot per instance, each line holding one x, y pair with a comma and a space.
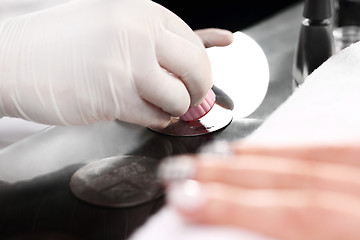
122, 181
195, 113
241, 71
215, 120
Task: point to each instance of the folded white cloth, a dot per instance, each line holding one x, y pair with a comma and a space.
325, 110
167, 224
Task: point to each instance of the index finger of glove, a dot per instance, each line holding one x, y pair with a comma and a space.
187, 61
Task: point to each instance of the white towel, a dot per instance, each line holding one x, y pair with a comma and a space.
326, 108
168, 225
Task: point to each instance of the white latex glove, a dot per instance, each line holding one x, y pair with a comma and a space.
93, 60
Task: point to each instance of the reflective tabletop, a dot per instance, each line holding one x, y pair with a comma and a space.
35, 199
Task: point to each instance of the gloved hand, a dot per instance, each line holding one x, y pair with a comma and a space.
93, 60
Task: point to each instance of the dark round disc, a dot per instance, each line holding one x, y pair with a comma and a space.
122, 181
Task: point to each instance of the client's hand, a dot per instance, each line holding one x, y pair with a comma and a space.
295, 193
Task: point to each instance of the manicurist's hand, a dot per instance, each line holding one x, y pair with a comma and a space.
91, 60
289, 193
212, 37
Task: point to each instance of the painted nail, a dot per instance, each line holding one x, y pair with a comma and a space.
219, 148
186, 195
176, 169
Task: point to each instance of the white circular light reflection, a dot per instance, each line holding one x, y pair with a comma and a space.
241, 70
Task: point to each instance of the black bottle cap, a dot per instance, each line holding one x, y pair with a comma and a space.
317, 9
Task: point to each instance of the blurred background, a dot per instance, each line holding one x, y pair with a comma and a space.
233, 15
228, 14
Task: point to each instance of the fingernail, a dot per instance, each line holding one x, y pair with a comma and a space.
186, 195
176, 168
219, 148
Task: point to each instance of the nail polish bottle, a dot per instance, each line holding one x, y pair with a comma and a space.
316, 42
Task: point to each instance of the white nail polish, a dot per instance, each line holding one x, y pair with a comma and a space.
176, 169
187, 195
219, 148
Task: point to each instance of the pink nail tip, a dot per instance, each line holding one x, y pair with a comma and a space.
195, 113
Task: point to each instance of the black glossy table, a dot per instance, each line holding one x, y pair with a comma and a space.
35, 199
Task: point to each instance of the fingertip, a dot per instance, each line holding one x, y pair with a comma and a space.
145, 114
165, 92
228, 36
177, 109
158, 125
178, 168
215, 37
224, 37
160, 122
186, 196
